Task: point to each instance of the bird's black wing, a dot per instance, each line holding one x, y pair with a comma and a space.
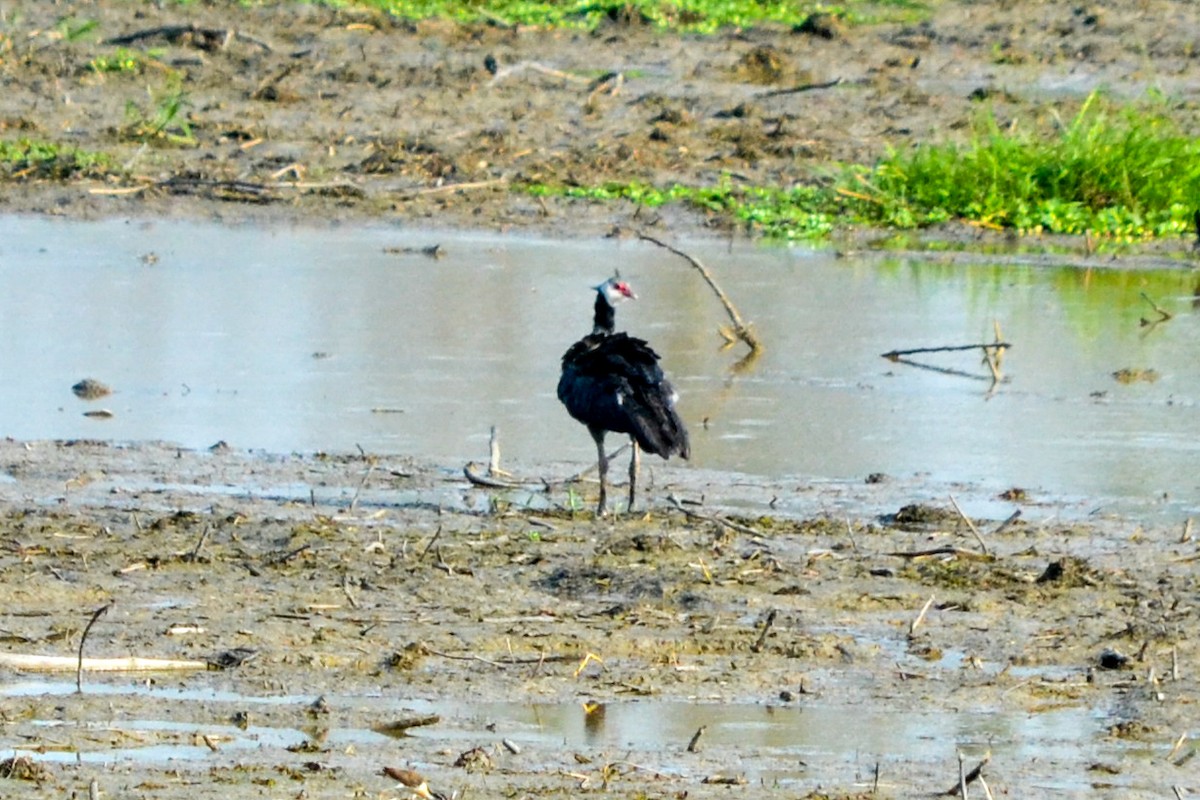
615, 383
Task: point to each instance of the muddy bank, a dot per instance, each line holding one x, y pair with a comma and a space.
355, 578
302, 111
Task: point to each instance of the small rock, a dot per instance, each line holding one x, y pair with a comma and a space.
91, 389
823, 26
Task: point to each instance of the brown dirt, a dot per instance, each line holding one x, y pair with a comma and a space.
350, 114
351, 590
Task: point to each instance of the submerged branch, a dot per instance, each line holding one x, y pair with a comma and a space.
740, 328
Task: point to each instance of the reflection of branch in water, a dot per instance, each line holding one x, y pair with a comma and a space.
1163, 315
958, 373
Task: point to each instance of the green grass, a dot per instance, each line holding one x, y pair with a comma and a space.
1126, 173
125, 60
27, 158
692, 15
1123, 173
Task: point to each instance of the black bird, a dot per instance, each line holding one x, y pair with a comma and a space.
612, 382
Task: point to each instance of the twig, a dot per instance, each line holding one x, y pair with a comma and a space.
1186, 536
436, 534
940, 551
97, 614
195, 553
743, 331
804, 87
766, 628
536, 67
694, 744
486, 482
971, 525
361, 484
346, 591
895, 355
1013, 517
850, 533
209, 38
916, 623
1178, 745
975, 774
712, 518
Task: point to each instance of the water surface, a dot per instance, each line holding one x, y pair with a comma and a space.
300, 339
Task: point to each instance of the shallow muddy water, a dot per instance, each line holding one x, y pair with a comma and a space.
776, 743
304, 339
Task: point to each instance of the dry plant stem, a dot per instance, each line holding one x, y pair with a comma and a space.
1163, 314
712, 518
694, 744
97, 614
940, 551
766, 629
893, 355
805, 87
743, 331
1013, 517
975, 774
916, 623
971, 525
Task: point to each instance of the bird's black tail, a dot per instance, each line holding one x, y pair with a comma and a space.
658, 428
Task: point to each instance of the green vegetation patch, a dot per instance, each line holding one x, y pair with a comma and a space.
692, 15
1127, 173
26, 158
1123, 173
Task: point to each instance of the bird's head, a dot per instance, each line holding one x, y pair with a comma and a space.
614, 290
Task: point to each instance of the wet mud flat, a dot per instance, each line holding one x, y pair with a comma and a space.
369, 593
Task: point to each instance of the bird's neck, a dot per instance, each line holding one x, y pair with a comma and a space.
606, 316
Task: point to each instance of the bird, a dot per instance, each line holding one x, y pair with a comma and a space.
612, 382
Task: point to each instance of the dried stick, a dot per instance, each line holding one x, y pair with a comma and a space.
916, 623
971, 525
97, 614
940, 551
963, 779
895, 355
804, 87
694, 744
743, 330
712, 518
1013, 517
766, 628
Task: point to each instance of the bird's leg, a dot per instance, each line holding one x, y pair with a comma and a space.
602, 467
635, 464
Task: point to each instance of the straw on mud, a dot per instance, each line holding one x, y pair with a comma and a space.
916, 623
970, 524
1186, 536
1178, 745
850, 533
959, 552
83, 639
